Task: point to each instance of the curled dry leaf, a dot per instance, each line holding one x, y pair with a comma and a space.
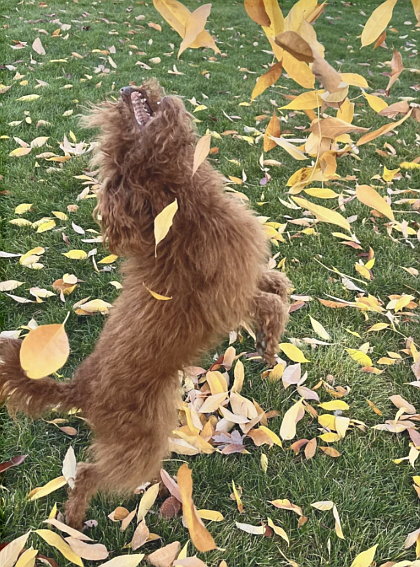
256, 11
200, 536
165, 556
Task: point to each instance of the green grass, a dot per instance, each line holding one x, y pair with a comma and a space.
374, 496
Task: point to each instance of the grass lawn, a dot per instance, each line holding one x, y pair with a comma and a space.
374, 496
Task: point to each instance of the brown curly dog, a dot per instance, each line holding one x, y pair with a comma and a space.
212, 263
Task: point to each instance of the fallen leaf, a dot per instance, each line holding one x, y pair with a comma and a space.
163, 222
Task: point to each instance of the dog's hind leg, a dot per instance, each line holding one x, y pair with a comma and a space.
87, 483
271, 313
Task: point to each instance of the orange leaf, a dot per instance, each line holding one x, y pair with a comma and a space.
267, 79
273, 129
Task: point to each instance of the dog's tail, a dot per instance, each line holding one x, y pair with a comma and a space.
29, 396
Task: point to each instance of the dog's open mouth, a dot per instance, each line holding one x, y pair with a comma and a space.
138, 103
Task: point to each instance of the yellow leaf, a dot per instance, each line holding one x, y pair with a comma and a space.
23, 208
273, 129
377, 22
201, 538
20, 222
194, 26
236, 180
46, 226
290, 148
44, 350
10, 553
346, 111
274, 438
378, 327
365, 559
375, 102
291, 417
293, 352
56, 541
108, 259
163, 222
334, 405
216, 382
28, 98
323, 214
402, 302
360, 357
389, 174
60, 215
201, 151
298, 71
278, 530
96, 306
363, 271
27, 559
338, 529
237, 498
323, 505
47, 488
355, 80
200, 107
330, 437
266, 80
20, 152
211, 515
327, 420
321, 193
370, 197
39, 142
319, 329
383, 130
276, 373
147, 501
75, 254
264, 462
157, 295
306, 101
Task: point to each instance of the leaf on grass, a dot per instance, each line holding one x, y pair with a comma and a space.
165, 556
237, 498
13, 462
44, 350
27, 559
29, 98
38, 47
290, 148
365, 559
200, 536
46, 226
323, 214
89, 551
108, 259
285, 504
323, 505
335, 405
51, 486
338, 529
147, 501
10, 553
67, 529
254, 530
163, 222
319, 329
10, 285
290, 420
378, 21
56, 541
266, 80
359, 356
18, 152
370, 197
201, 151
124, 560
293, 352
278, 530
75, 254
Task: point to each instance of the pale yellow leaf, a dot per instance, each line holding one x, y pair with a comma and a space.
163, 222
290, 419
56, 541
46, 226
194, 26
75, 254
51, 486
147, 501
22, 208
44, 350
322, 213
18, 152
201, 151
365, 559
319, 329
378, 21
211, 515
293, 352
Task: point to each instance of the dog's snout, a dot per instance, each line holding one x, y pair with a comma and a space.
126, 90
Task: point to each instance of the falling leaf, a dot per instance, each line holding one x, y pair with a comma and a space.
55, 540
273, 130
163, 222
381, 131
10, 553
201, 538
377, 22
256, 11
44, 350
375, 102
370, 197
290, 148
323, 214
194, 26
157, 295
266, 80
201, 151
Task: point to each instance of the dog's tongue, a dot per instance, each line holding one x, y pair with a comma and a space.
142, 111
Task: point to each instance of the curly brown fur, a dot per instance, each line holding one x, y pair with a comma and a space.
212, 264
